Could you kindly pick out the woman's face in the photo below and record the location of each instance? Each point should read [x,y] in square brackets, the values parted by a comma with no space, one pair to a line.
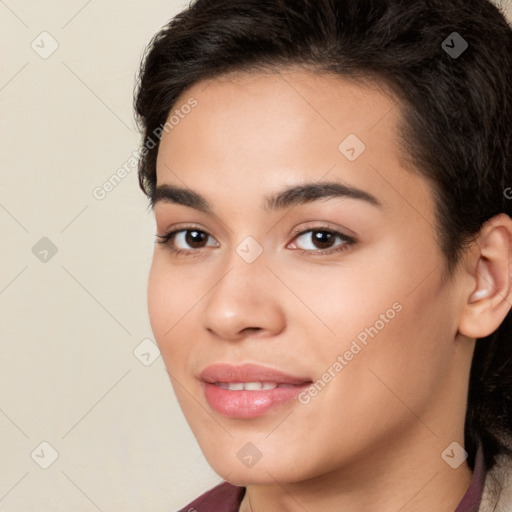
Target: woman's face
[341,288]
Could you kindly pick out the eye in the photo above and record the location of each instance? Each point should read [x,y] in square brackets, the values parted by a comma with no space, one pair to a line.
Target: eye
[194,238]
[186,240]
[322,241]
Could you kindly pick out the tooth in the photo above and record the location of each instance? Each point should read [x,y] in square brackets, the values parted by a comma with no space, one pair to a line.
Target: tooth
[253,386]
[250,386]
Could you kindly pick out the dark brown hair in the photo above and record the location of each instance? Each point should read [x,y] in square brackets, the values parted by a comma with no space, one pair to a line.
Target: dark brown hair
[457,115]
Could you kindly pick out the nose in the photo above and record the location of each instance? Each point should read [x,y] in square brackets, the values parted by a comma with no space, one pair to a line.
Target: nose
[244,301]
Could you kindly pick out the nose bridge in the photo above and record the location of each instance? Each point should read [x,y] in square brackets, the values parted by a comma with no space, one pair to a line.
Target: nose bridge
[244,296]
[246,275]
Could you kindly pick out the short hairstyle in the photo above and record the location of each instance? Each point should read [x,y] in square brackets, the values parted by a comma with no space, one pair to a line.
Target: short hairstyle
[456,116]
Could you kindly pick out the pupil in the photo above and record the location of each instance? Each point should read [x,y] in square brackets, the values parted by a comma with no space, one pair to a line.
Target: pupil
[323,238]
[194,237]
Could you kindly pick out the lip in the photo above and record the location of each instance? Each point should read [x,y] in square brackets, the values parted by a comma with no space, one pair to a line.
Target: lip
[223,372]
[245,403]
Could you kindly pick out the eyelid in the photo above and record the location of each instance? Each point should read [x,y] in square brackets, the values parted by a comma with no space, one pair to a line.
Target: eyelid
[182,226]
[325,226]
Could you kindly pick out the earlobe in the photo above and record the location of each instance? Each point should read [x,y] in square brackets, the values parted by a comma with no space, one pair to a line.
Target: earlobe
[490,298]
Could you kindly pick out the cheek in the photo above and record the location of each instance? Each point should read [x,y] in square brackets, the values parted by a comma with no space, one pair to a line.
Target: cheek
[387,314]
[336,302]
[171,295]
[167,307]
[404,355]
[158,299]
[174,293]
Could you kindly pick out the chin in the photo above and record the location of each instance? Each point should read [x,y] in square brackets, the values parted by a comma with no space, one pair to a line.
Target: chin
[255,476]
[232,469]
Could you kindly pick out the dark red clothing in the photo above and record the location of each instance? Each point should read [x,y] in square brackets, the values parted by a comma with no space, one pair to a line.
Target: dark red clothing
[223,498]
[227,497]
[471,500]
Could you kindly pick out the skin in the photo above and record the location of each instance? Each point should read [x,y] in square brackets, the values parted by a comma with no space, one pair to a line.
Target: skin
[372,439]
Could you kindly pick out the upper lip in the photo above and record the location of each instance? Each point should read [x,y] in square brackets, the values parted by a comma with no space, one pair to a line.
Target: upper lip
[223,372]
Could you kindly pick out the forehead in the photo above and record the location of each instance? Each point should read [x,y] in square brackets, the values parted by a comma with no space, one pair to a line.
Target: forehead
[250,134]
[305,103]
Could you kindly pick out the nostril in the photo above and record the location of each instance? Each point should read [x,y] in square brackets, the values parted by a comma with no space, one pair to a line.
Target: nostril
[252,329]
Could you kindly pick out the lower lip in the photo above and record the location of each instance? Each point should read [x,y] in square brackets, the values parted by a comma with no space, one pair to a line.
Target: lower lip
[248,404]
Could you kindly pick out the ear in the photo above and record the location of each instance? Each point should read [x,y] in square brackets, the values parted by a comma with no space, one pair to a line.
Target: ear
[488,297]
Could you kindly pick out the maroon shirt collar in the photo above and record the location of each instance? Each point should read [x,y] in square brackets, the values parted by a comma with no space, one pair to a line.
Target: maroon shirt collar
[471,500]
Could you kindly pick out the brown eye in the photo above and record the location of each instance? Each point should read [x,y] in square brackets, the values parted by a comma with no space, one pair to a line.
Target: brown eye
[320,239]
[323,239]
[195,239]
[187,239]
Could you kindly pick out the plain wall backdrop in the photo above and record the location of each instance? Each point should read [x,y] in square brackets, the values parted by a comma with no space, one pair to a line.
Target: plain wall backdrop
[88,419]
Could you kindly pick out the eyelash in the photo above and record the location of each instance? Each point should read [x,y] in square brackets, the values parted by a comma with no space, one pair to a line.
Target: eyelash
[348,241]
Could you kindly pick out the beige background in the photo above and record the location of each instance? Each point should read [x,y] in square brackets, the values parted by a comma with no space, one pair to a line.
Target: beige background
[71,321]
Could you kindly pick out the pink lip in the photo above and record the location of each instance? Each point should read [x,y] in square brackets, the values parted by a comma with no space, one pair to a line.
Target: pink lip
[244,403]
[224,372]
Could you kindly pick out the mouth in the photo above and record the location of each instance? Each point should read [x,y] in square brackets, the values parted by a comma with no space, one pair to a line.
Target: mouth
[249,391]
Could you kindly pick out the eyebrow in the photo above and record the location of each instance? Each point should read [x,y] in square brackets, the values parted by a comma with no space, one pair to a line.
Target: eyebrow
[291,196]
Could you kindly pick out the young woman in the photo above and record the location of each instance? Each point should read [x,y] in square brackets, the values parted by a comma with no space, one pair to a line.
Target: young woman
[331,288]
